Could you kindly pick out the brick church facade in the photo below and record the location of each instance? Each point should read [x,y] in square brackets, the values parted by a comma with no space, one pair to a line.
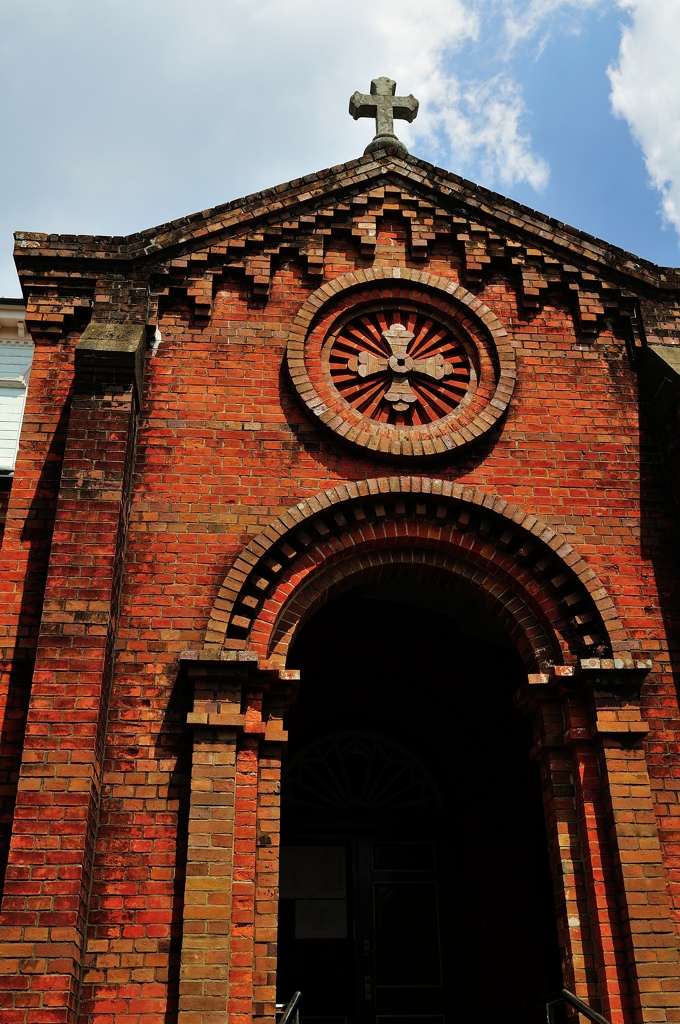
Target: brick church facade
[342,542]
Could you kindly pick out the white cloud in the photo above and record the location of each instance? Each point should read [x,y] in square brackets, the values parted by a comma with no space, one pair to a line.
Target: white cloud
[479,123]
[646,90]
[482,124]
[524,18]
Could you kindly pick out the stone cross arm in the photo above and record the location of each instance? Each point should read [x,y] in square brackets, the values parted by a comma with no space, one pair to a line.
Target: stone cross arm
[401,366]
[384,106]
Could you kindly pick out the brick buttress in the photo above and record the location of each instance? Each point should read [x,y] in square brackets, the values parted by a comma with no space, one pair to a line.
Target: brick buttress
[45,905]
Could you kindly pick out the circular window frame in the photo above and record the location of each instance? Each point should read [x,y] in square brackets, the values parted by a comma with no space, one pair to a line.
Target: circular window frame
[321,316]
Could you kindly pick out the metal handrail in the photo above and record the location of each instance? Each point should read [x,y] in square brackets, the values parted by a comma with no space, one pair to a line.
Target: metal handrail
[292,1009]
[577,1003]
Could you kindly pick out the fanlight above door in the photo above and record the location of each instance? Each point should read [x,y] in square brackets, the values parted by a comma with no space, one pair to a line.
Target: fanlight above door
[356,778]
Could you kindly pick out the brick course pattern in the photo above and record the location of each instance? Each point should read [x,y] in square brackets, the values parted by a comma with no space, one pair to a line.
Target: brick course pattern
[166,538]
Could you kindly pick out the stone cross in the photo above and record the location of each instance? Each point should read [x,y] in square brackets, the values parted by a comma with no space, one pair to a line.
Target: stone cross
[384,106]
[400,393]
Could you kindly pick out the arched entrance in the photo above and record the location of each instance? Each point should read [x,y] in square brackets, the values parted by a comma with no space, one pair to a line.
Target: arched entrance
[415,883]
[529,612]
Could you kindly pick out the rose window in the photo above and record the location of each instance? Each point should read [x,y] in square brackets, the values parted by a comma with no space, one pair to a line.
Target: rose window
[399,366]
[400,363]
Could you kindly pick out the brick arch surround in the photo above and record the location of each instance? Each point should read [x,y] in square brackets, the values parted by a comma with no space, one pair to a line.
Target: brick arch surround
[550,601]
[530,635]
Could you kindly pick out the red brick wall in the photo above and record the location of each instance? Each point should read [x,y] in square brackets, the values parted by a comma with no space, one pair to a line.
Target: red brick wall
[25,553]
[223,448]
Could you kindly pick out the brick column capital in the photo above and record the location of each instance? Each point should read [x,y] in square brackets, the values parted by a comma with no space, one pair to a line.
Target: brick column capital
[111,354]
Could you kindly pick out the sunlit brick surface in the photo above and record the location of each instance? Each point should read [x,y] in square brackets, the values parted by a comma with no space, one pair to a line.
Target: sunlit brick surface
[126,517]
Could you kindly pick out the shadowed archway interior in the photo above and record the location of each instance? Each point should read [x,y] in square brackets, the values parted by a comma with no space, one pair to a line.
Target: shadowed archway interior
[408,791]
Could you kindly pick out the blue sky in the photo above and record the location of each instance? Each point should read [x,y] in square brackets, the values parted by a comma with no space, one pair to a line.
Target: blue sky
[117,115]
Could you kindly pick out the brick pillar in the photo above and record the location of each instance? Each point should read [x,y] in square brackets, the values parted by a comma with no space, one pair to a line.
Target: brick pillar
[540,698]
[228,968]
[44,910]
[651,942]
[610,989]
[272,689]
[620,923]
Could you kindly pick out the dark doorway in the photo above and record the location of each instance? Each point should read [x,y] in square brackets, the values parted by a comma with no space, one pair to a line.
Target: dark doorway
[415,884]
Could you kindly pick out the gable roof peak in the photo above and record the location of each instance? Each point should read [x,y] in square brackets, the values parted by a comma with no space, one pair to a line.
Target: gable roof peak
[333,184]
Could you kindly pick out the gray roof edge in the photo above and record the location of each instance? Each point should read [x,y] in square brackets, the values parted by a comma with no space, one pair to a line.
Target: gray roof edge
[383,162]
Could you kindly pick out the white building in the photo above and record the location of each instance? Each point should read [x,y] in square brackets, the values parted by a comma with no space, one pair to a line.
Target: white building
[16,356]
